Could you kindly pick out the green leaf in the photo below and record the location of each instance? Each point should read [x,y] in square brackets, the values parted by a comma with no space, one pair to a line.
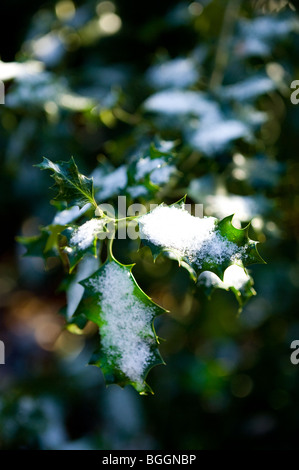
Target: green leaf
[83,240]
[236,279]
[44,245]
[73,187]
[198,245]
[249,253]
[150,170]
[125,315]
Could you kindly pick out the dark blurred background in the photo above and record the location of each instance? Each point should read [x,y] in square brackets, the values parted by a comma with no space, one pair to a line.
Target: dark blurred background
[100,80]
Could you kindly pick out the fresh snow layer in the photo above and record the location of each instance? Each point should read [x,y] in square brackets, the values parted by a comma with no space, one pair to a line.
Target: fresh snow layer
[234,276]
[84,236]
[126,322]
[111,183]
[158,168]
[210,280]
[146,165]
[176,73]
[194,238]
[69,215]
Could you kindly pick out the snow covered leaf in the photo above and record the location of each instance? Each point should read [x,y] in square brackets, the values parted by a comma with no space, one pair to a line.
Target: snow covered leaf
[125,314]
[150,167]
[83,240]
[111,183]
[66,216]
[176,73]
[248,253]
[236,279]
[73,187]
[214,139]
[248,89]
[176,102]
[256,37]
[198,244]
[154,168]
[37,88]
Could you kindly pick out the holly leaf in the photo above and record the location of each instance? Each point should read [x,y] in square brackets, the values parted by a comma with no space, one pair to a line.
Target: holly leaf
[74,291]
[44,245]
[83,240]
[151,170]
[198,244]
[125,316]
[240,237]
[73,187]
[236,278]
[65,216]
[154,168]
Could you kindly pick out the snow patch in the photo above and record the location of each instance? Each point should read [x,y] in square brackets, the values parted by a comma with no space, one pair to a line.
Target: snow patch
[158,168]
[193,238]
[111,183]
[234,276]
[146,165]
[84,236]
[176,73]
[69,215]
[210,280]
[126,333]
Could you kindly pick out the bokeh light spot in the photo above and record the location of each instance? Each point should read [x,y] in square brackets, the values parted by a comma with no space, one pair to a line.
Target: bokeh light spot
[110,23]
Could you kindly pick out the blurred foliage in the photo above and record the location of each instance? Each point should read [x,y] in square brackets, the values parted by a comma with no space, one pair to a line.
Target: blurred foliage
[101,81]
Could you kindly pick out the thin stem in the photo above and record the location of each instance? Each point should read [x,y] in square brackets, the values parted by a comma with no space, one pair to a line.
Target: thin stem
[132,217]
[111,240]
[126,117]
[109,247]
[111,219]
[222,53]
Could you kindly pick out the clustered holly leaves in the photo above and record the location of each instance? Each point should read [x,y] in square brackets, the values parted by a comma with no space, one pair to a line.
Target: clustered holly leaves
[112,299]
